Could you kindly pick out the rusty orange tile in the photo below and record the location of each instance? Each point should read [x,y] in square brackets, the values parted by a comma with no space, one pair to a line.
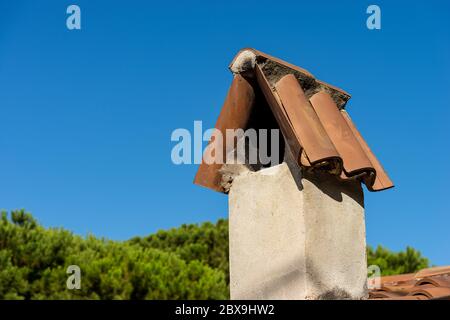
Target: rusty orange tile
[383,295]
[353,156]
[304,120]
[403,288]
[416,297]
[428,272]
[263,57]
[431,292]
[235,114]
[280,113]
[397,278]
[437,281]
[431,283]
[382,181]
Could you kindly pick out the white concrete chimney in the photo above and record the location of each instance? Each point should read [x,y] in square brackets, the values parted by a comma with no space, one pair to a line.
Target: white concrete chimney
[296,237]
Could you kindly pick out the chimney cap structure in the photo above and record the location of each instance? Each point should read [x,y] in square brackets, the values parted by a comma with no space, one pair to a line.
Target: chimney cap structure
[310,114]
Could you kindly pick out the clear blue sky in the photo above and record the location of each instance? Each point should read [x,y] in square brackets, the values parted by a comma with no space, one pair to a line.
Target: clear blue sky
[86,116]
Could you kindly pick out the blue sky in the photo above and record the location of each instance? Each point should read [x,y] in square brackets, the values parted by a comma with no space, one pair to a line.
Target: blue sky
[86,116]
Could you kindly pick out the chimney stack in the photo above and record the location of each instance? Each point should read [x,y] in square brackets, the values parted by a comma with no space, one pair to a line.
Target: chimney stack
[297,227]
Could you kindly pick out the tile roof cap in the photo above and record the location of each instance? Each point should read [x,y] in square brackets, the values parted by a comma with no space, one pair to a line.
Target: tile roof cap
[320,134]
[245,60]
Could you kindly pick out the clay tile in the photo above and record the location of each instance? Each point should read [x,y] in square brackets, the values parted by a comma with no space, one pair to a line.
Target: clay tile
[235,114]
[382,180]
[416,297]
[353,156]
[403,289]
[437,281]
[279,113]
[395,296]
[304,120]
[431,291]
[265,56]
[395,279]
[431,283]
[382,294]
[284,67]
[432,272]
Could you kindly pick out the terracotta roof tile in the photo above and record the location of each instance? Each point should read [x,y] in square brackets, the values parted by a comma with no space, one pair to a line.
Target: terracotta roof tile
[310,114]
[300,73]
[234,114]
[379,181]
[401,278]
[279,113]
[342,137]
[417,297]
[430,283]
[305,122]
[432,272]
[437,281]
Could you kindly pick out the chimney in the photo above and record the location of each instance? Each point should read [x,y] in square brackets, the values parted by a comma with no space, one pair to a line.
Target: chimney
[296,226]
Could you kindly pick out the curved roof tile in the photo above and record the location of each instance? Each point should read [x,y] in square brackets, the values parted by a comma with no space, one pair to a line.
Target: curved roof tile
[430,283]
